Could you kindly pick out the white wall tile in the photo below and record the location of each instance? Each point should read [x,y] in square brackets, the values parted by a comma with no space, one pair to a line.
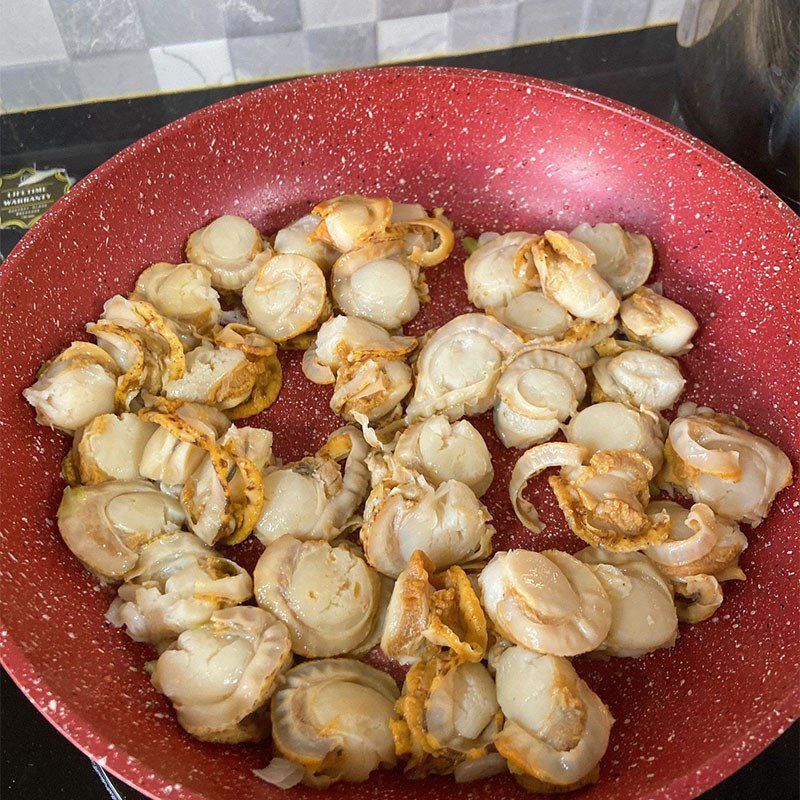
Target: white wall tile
[29,33]
[273,54]
[341,47]
[255,17]
[474,28]
[391,9]
[662,11]
[186,66]
[614,15]
[335,13]
[33,85]
[181,21]
[540,20]
[412,37]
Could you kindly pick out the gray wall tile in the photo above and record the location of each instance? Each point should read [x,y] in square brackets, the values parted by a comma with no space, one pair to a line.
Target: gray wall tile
[173,21]
[412,37]
[274,54]
[335,13]
[32,85]
[116,74]
[391,9]
[602,15]
[539,20]
[341,47]
[470,31]
[662,11]
[89,27]
[253,17]
[29,33]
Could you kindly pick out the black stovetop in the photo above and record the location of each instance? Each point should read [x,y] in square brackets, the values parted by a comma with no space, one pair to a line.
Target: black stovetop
[635,67]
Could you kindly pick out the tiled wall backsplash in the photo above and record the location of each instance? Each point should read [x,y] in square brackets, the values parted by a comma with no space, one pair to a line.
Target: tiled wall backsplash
[61,51]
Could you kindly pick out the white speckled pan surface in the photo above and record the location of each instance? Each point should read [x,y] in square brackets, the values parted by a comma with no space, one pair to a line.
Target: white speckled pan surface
[499,152]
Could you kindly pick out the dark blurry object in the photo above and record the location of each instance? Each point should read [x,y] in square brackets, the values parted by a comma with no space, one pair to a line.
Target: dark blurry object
[739,83]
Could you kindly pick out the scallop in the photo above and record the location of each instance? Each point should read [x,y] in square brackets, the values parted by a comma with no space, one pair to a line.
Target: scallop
[182,293]
[404,513]
[643,615]
[288,296]
[721,464]
[346,340]
[567,274]
[332,717]
[311,498]
[106,525]
[547,602]
[294,239]
[379,283]
[639,378]
[624,260]
[697,597]
[458,367]
[556,729]
[617,426]
[328,596]
[448,715]
[699,542]
[74,388]
[351,220]
[429,611]
[661,324]
[532,316]
[221,675]
[441,450]
[536,392]
[489,271]
[604,501]
[229,247]
[177,584]
[372,388]
[110,447]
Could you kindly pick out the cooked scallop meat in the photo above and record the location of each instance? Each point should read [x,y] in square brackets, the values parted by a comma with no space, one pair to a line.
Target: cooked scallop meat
[532,463]
[294,238]
[490,275]
[458,367]
[578,342]
[229,247]
[566,271]
[171,454]
[532,316]
[699,542]
[177,584]
[329,597]
[441,450]
[332,717]
[373,387]
[536,392]
[717,462]
[352,220]
[110,447]
[311,498]
[404,513]
[624,260]
[643,615]
[617,426]
[182,293]
[346,340]
[639,378]
[660,323]
[74,388]
[221,675]
[556,728]
[105,526]
[448,714]
[547,602]
[379,283]
[604,502]
[288,296]
[697,597]
[429,611]
[146,349]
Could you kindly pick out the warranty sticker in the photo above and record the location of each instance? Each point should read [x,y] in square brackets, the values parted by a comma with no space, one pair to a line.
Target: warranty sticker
[28,193]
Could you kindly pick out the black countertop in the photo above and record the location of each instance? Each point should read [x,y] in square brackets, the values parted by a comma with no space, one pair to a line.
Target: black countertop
[635,67]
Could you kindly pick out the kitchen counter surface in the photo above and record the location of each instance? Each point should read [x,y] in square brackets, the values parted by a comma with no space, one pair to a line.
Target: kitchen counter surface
[635,67]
